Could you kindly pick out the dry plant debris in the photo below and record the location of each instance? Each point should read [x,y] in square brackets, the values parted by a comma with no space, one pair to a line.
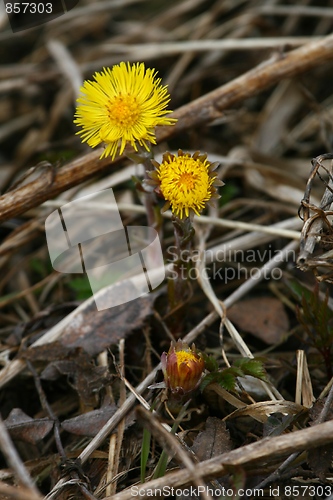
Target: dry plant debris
[83,412]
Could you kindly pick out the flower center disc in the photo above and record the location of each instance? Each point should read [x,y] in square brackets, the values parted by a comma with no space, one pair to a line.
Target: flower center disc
[185,357]
[123,111]
[187,180]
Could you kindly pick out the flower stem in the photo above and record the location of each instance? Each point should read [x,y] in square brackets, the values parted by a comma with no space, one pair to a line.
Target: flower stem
[149,201]
[178,283]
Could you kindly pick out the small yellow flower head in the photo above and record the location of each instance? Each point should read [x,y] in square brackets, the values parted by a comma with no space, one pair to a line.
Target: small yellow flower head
[122,106]
[182,368]
[187,182]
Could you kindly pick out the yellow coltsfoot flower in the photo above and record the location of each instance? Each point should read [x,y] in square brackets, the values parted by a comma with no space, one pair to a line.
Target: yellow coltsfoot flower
[182,368]
[187,182]
[122,106]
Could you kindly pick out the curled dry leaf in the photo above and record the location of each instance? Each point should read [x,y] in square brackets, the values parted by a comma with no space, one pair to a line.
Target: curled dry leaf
[261,411]
[24,428]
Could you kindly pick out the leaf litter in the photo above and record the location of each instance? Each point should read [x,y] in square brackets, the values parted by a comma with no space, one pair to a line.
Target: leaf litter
[71,375]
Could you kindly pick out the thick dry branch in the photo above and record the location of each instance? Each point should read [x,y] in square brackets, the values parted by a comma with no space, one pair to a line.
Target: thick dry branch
[259,451]
[50,183]
[198,112]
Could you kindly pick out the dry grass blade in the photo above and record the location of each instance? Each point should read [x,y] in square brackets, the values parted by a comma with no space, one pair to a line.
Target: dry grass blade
[116,439]
[304,391]
[148,51]
[67,65]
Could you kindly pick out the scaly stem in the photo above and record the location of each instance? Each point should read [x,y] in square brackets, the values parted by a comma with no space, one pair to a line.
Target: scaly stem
[178,284]
[144,158]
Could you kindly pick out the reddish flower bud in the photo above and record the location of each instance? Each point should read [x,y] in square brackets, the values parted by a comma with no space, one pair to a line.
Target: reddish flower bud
[182,368]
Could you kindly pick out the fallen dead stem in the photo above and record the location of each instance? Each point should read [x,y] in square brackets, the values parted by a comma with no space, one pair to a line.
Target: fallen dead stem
[207,108]
[260,451]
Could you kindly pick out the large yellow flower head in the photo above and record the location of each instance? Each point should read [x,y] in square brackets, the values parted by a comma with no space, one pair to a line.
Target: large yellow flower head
[122,106]
[187,182]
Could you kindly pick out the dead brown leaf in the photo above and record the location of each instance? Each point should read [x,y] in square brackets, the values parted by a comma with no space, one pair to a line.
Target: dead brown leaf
[24,428]
[86,378]
[264,317]
[213,441]
[51,351]
[320,460]
[83,375]
[89,424]
[316,410]
[95,331]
